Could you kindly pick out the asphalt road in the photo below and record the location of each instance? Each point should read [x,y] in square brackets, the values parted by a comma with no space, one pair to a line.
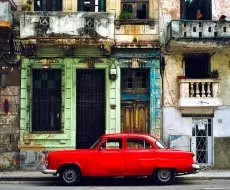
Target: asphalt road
[119,184]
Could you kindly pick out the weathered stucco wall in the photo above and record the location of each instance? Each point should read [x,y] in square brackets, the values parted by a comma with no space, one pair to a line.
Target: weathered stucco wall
[222,153]
[66,24]
[221,122]
[221,62]
[9,128]
[175,124]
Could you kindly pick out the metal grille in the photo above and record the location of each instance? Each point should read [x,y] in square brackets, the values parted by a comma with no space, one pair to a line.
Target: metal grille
[46,100]
[135,79]
[90,106]
[202,131]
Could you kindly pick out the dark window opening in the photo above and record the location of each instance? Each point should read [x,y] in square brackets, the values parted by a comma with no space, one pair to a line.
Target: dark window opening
[196,9]
[135,79]
[128,8]
[92,5]
[46,100]
[138,10]
[197,66]
[48,5]
[141,11]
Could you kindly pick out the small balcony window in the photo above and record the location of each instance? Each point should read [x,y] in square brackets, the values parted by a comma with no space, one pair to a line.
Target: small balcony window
[48,5]
[138,10]
[92,5]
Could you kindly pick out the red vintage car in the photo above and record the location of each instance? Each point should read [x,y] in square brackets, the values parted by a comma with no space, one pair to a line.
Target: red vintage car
[121,155]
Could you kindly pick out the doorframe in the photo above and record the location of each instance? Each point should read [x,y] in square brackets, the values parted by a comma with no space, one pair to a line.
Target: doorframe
[154,102]
[74,68]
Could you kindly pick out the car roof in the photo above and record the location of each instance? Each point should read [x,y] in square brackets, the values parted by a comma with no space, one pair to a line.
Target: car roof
[133,135]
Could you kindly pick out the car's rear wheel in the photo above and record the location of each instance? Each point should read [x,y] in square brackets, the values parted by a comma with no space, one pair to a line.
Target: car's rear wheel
[70,175]
[164,176]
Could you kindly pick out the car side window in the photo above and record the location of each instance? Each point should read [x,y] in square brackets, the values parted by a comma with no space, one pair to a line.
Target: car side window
[112,144]
[132,143]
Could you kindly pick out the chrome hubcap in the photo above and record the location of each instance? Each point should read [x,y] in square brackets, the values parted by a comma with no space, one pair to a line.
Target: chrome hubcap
[69,175]
[164,174]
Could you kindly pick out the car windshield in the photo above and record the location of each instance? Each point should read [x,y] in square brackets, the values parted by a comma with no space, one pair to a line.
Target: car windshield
[160,144]
[95,144]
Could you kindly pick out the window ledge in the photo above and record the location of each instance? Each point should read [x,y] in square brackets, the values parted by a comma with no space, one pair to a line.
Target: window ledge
[150,22]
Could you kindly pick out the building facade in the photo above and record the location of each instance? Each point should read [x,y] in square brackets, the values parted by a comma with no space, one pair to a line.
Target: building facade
[195,67]
[88,68]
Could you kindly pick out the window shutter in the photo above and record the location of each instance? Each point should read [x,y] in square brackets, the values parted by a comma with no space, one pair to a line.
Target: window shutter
[57,4]
[102,4]
[80,5]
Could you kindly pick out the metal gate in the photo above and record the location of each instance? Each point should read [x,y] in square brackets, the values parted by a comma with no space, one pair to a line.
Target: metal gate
[46,100]
[202,140]
[90,106]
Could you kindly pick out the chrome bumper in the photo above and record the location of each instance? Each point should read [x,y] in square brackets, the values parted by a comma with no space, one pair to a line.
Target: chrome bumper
[47,171]
[195,166]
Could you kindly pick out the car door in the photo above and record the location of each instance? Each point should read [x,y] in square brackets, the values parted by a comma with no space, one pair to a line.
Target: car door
[110,158]
[139,156]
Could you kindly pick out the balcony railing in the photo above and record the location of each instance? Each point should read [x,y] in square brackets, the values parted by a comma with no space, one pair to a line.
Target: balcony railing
[198,29]
[60,25]
[199,92]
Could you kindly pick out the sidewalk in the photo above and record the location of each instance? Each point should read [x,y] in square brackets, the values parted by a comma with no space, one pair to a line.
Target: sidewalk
[38,176]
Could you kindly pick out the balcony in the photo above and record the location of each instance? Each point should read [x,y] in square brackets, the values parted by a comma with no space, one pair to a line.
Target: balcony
[196,93]
[80,27]
[133,33]
[190,34]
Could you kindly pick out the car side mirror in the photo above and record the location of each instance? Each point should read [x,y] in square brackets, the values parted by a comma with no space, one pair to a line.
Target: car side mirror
[100,148]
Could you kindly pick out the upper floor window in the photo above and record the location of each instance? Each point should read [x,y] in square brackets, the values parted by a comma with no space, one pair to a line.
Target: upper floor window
[136,9]
[92,5]
[134,79]
[47,5]
[196,10]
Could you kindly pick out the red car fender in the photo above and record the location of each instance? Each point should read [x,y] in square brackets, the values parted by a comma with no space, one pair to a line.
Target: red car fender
[69,163]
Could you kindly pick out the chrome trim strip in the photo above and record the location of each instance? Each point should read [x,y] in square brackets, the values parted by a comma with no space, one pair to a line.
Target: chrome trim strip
[47,171]
[195,166]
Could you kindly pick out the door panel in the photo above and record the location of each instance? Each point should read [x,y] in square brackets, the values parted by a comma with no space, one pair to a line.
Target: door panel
[134,117]
[110,162]
[90,106]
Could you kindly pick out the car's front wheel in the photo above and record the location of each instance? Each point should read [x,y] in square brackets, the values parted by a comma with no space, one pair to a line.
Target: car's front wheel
[165,176]
[70,175]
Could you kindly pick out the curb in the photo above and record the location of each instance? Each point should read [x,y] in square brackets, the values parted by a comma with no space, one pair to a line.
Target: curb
[29,179]
[204,178]
[55,178]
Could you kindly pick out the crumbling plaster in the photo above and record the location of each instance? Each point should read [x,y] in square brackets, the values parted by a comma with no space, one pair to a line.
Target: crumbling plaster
[170,10]
[66,24]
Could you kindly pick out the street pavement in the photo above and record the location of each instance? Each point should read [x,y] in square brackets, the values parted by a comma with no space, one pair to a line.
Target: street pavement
[119,184]
[38,176]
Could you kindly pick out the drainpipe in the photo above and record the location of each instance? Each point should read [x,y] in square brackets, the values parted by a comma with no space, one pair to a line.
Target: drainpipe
[162,69]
